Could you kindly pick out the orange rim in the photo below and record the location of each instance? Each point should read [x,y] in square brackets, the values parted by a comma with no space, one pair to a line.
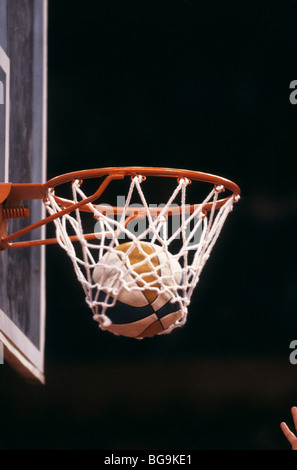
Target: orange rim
[18,192]
[121,172]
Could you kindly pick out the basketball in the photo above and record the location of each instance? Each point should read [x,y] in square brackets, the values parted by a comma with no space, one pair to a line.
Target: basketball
[137,282]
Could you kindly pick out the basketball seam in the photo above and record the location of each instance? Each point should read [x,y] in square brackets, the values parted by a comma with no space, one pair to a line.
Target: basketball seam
[156,321]
[129,272]
[135,278]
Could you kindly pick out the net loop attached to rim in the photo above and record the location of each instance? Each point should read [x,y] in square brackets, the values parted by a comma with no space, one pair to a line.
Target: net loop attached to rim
[186,236]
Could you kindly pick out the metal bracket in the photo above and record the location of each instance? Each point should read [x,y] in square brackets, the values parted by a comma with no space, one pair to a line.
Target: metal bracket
[11,196]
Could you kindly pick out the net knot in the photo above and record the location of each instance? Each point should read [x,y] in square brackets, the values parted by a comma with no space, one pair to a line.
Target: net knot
[138,178]
[184,181]
[162,218]
[103,319]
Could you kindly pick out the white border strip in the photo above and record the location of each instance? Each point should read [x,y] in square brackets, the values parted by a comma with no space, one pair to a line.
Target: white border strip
[30,370]
[21,342]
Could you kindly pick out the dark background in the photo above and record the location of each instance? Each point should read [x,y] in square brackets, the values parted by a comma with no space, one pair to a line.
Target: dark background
[201,85]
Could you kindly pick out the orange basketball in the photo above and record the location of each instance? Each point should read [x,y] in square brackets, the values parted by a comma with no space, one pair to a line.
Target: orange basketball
[137,282]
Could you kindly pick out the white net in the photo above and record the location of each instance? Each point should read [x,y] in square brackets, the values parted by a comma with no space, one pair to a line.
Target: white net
[160,254]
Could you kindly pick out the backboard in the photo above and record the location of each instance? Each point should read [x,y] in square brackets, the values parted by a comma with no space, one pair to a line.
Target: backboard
[23,89]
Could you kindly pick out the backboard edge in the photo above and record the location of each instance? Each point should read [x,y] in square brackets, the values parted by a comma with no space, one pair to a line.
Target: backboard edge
[20,363]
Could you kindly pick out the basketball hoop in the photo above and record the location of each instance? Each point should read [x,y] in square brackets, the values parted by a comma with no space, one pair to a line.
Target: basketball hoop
[188,241]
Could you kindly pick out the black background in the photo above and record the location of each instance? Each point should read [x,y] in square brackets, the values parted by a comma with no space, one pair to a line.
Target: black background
[201,85]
